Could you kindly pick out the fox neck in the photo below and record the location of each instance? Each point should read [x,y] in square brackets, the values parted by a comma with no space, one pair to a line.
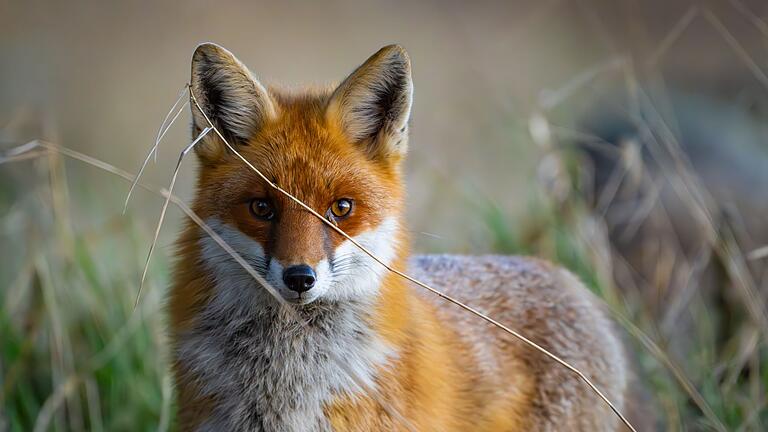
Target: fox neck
[266,371]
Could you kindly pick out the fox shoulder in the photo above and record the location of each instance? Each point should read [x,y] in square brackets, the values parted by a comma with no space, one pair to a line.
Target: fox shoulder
[550,306]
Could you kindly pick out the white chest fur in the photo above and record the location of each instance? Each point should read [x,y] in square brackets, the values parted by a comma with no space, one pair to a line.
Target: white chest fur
[265,371]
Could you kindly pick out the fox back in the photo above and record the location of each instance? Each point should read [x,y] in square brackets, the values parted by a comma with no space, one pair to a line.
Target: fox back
[370,352]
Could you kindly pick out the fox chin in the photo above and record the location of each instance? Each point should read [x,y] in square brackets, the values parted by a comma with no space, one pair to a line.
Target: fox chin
[242,363]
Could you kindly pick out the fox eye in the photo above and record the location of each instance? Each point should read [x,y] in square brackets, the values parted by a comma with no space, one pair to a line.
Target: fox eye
[262,209]
[341,208]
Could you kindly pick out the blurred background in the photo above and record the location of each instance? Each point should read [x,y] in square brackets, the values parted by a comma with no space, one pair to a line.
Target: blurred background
[624,139]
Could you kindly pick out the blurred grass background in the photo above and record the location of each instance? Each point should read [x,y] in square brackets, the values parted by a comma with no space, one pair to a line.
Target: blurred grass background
[511,100]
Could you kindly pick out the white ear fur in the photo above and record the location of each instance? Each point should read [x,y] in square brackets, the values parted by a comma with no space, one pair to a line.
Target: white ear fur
[234,101]
[373,105]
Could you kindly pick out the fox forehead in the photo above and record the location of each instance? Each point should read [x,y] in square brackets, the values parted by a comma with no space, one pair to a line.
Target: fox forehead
[304,154]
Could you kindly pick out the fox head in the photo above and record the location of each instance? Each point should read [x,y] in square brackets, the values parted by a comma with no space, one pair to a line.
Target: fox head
[338,150]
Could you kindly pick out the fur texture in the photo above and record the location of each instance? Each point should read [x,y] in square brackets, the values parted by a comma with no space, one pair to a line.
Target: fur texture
[243,364]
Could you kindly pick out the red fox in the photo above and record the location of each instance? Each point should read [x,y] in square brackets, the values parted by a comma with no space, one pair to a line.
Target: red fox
[242,363]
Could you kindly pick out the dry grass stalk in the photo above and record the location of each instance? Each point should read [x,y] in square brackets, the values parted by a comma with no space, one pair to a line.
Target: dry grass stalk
[165,126]
[165,206]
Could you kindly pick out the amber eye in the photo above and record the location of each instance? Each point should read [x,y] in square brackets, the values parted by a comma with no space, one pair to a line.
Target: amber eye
[341,208]
[262,209]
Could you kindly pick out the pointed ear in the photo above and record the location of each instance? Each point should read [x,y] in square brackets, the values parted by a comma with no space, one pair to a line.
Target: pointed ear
[372,106]
[231,98]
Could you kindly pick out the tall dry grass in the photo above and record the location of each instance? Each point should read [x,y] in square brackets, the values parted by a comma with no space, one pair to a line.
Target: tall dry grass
[75,356]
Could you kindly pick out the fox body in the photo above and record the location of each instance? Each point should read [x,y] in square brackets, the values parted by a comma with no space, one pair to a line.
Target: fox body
[242,362]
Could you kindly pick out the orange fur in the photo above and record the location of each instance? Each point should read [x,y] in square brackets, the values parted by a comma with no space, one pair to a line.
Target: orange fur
[442,376]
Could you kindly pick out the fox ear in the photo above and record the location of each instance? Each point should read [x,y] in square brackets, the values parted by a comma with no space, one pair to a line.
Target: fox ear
[372,106]
[229,96]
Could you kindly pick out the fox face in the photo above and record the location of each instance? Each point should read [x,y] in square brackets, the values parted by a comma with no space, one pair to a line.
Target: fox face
[339,150]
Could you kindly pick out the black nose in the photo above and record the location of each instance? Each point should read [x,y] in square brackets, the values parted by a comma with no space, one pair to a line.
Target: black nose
[299,278]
